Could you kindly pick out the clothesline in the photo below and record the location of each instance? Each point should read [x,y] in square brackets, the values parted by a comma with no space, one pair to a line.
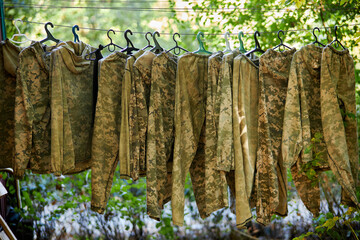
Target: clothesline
[167,9]
[185,34]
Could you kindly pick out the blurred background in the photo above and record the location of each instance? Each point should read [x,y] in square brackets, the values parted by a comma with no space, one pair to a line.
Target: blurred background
[58,208]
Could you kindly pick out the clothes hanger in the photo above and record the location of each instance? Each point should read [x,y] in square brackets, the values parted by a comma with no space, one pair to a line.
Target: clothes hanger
[157,49]
[336,39]
[176,46]
[201,44]
[149,45]
[19,34]
[227,49]
[76,37]
[316,40]
[97,52]
[49,35]
[281,41]
[129,45]
[257,45]
[111,42]
[241,48]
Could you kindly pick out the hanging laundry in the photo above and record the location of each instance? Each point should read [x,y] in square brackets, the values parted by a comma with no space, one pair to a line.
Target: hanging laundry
[124,142]
[271,175]
[216,196]
[245,131]
[105,142]
[71,78]
[138,113]
[302,121]
[160,133]
[338,114]
[32,112]
[9,62]
[189,146]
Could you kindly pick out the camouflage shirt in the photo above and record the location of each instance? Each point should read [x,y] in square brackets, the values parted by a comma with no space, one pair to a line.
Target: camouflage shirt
[138,113]
[9,62]
[105,142]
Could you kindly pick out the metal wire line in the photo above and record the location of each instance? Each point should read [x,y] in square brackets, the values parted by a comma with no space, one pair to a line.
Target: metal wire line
[166,9]
[185,34]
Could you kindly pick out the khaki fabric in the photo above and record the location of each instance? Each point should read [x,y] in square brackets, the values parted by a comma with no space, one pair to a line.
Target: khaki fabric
[105,142]
[160,133]
[302,121]
[245,130]
[216,196]
[71,79]
[138,113]
[189,153]
[271,175]
[124,142]
[32,111]
[338,114]
[9,62]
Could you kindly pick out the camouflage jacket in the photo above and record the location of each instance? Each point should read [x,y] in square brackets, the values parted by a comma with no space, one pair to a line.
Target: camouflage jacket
[105,142]
[9,62]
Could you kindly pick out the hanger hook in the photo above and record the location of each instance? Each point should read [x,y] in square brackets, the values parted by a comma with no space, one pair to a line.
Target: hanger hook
[176,34]
[316,28]
[110,30]
[198,37]
[76,37]
[156,33]
[257,34]
[226,35]
[46,28]
[128,42]
[147,38]
[278,34]
[15,24]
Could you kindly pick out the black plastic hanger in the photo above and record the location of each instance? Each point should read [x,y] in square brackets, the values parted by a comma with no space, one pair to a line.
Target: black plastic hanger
[257,45]
[281,41]
[316,39]
[336,39]
[157,49]
[49,35]
[129,45]
[149,45]
[76,37]
[111,42]
[177,46]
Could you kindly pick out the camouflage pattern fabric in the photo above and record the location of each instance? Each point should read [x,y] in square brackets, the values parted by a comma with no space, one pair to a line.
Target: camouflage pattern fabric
[9,62]
[105,142]
[245,130]
[32,111]
[216,196]
[138,113]
[338,114]
[160,133]
[124,142]
[271,175]
[302,121]
[189,154]
[71,78]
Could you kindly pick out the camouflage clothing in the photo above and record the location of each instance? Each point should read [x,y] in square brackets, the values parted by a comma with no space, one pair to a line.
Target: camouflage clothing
[189,153]
[338,114]
[105,142]
[302,120]
[124,142]
[160,133]
[271,176]
[71,78]
[138,113]
[9,62]
[245,119]
[32,111]
[214,182]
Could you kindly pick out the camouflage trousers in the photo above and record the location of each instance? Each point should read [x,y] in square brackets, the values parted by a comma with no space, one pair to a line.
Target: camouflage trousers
[338,113]
[271,175]
[160,133]
[105,148]
[245,94]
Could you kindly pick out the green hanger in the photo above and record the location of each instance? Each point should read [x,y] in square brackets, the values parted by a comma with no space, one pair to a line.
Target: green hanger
[201,45]
[241,48]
